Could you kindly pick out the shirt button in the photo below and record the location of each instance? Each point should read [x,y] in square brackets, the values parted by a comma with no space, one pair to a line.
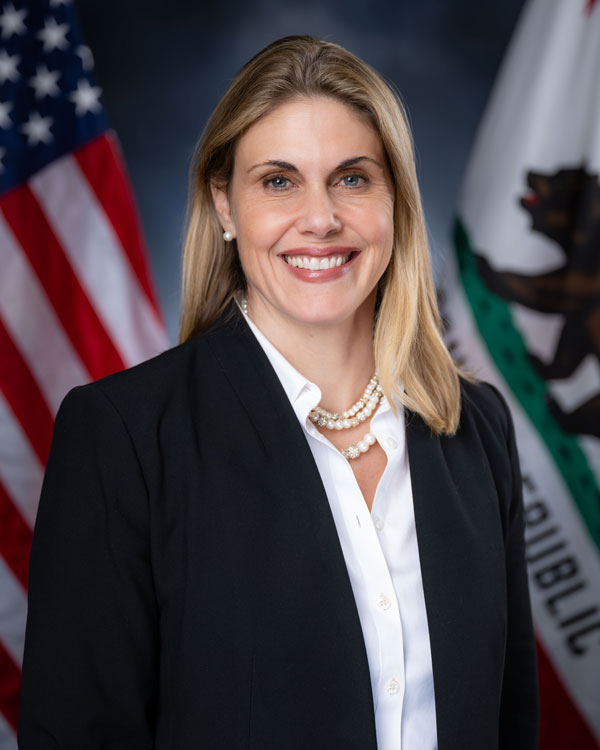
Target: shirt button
[393,687]
[391,443]
[384,602]
[378,523]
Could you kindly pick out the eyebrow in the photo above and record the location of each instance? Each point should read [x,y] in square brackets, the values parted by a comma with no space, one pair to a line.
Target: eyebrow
[292,168]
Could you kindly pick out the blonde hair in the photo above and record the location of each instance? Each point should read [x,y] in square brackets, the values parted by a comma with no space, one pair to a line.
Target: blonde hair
[407,339]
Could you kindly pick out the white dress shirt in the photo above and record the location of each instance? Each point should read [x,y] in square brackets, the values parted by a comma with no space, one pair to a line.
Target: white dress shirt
[381,554]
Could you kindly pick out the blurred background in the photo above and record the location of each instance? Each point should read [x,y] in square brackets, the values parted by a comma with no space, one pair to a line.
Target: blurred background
[164,65]
[520,297]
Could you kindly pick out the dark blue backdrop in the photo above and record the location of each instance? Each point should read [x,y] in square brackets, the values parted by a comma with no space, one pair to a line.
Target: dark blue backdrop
[163,64]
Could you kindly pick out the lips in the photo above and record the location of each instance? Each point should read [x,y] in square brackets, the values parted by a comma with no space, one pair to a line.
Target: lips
[315,258]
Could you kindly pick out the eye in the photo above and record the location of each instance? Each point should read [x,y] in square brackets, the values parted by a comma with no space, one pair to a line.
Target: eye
[353,180]
[277,181]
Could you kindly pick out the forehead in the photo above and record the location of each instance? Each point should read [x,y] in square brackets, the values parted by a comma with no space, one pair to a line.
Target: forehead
[302,130]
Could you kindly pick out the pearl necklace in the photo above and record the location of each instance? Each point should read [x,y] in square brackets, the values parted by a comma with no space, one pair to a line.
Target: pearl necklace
[366,405]
[360,412]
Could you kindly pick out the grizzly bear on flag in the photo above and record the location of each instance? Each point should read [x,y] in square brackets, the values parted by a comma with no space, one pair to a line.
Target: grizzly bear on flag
[565,207]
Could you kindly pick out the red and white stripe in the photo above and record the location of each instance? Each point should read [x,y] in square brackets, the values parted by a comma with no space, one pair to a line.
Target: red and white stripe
[76,303]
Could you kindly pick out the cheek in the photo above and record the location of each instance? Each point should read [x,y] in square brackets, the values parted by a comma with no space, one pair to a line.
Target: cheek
[378,226]
[258,234]
[259,229]
[387,221]
[382,237]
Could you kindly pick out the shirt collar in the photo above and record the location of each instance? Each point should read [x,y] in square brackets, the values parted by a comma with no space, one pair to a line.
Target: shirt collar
[302,394]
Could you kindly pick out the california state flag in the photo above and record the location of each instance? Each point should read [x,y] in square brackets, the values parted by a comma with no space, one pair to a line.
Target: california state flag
[522,307]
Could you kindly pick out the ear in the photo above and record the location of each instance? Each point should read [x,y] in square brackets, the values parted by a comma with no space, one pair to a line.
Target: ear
[222,206]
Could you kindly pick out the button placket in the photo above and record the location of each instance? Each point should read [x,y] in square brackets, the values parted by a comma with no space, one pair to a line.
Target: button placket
[365,552]
[383,623]
[393,687]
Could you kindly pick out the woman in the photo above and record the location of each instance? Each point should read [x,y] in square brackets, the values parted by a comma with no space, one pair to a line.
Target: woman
[299,528]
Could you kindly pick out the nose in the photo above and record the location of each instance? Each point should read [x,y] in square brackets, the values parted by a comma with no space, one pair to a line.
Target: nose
[318,215]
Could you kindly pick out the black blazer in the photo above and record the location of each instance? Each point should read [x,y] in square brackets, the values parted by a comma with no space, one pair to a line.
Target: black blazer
[188,588]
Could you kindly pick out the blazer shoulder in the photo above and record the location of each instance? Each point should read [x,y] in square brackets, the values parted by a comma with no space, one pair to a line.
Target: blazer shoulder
[486,427]
[483,404]
[193,361]
[152,386]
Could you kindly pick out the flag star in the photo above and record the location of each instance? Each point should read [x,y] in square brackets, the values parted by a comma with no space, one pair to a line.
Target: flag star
[45,82]
[8,66]
[11,21]
[37,129]
[5,121]
[85,53]
[54,35]
[86,97]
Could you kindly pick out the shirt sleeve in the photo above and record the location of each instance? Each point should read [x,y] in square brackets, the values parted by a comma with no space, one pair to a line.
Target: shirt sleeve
[91,647]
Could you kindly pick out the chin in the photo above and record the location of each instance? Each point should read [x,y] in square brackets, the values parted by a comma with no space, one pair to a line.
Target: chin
[322,313]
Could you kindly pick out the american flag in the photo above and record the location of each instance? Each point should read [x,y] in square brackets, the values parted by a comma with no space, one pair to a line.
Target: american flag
[76,299]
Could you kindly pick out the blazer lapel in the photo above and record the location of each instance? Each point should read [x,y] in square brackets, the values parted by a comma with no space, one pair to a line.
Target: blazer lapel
[461,554]
[262,396]
[286,451]
[435,503]
[299,502]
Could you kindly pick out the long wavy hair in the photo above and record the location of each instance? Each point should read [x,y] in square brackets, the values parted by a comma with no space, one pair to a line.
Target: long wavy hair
[407,339]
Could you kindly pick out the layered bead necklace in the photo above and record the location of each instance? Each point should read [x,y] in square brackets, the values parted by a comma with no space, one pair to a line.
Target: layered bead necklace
[364,408]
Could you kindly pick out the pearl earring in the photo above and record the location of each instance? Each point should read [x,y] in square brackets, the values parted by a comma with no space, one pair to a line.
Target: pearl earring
[227,236]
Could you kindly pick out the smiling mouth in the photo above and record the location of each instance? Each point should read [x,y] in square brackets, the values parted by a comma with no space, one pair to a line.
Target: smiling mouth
[313,263]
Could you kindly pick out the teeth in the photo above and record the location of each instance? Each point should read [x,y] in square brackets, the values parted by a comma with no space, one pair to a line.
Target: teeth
[314,264]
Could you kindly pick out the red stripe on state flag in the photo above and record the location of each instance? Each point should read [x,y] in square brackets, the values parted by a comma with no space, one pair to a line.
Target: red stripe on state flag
[561,725]
[46,256]
[15,538]
[102,164]
[24,396]
[10,685]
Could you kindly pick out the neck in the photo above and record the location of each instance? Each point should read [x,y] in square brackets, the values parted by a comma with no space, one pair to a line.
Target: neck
[337,357]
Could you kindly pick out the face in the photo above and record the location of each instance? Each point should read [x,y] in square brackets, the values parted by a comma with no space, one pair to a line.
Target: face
[311,205]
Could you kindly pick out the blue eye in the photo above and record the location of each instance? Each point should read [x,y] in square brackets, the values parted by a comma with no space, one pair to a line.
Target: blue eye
[352,180]
[277,182]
